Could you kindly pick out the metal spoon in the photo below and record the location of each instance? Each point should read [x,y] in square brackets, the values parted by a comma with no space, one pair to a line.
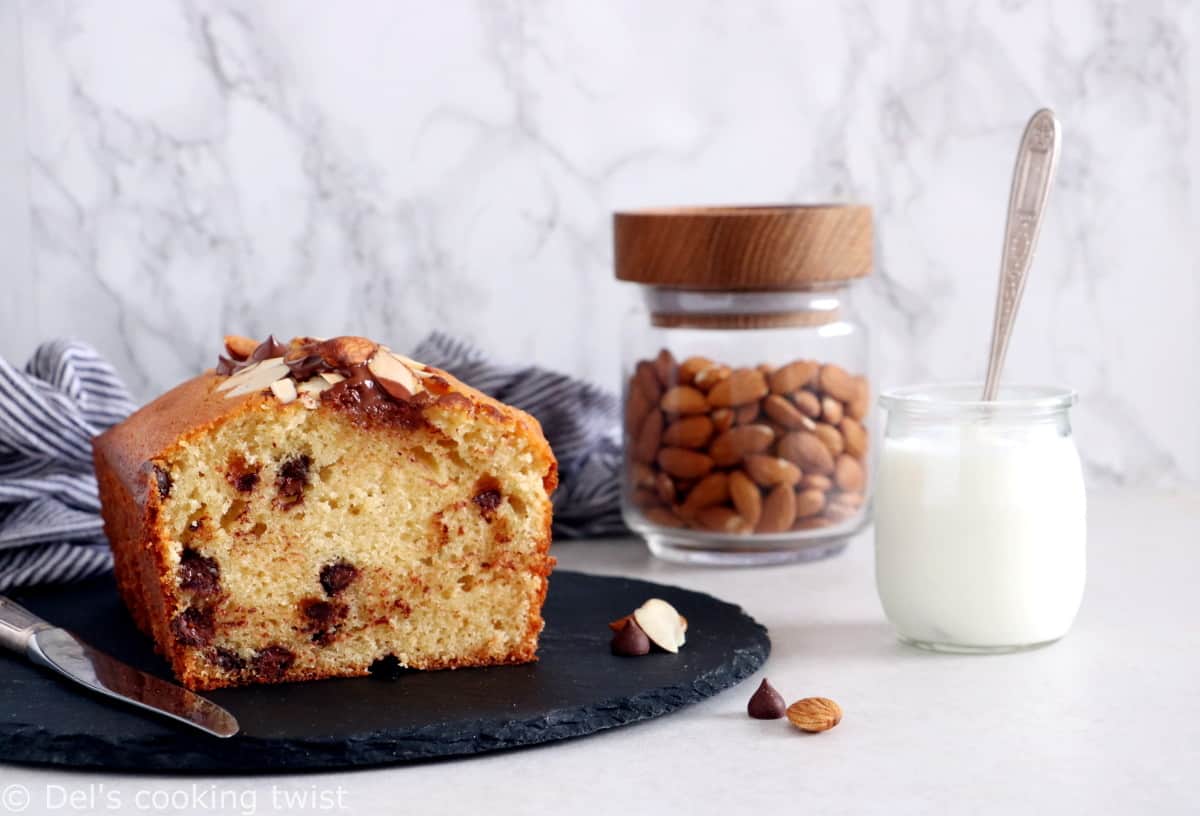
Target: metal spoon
[1037,158]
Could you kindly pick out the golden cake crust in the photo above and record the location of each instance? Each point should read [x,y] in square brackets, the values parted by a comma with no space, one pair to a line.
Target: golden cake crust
[132,493]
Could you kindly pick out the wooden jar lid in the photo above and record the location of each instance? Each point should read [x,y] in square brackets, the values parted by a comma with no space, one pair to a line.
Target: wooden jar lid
[743,248]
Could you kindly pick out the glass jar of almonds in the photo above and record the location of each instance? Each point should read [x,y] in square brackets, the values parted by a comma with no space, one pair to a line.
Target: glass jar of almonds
[747,403]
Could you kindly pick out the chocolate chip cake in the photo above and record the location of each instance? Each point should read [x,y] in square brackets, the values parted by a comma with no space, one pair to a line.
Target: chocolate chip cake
[323,507]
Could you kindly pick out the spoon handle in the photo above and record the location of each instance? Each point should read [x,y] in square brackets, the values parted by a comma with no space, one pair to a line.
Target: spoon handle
[1037,158]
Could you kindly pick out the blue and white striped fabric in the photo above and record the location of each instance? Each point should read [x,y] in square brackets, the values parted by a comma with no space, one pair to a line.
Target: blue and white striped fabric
[50,529]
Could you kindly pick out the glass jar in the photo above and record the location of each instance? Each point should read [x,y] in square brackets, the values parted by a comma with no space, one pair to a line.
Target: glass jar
[980,529]
[746,391]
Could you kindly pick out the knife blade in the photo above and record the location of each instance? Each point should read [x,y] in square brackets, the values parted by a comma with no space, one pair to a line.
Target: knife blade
[62,652]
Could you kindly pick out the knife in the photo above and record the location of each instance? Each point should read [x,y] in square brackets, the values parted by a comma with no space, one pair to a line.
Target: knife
[59,650]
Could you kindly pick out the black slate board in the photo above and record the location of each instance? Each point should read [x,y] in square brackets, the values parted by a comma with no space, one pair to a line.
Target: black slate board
[576,688]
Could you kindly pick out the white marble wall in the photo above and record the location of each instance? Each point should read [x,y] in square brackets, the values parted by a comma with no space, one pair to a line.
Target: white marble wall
[181,169]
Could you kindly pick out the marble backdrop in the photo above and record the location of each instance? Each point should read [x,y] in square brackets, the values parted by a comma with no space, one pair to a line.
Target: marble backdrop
[171,170]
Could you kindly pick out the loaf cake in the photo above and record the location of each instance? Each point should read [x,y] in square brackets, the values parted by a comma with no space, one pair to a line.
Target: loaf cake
[327,508]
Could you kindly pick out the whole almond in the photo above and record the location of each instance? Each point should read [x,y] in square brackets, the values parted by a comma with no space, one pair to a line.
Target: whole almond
[745,414]
[684,464]
[861,403]
[637,407]
[830,437]
[811,523]
[664,488]
[837,382]
[769,471]
[239,347]
[808,403]
[855,437]
[641,475]
[644,498]
[785,412]
[778,511]
[689,432]
[649,437]
[712,489]
[738,442]
[707,378]
[809,503]
[854,500]
[831,410]
[683,399]
[742,386]
[722,419]
[815,481]
[646,380]
[692,366]
[665,368]
[792,376]
[814,714]
[720,519]
[746,497]
[345,352]
[849,475]
[807,451]
[662,517]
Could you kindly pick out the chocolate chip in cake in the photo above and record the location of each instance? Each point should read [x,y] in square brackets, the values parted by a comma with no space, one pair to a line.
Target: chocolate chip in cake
[241,475]
[193,627]
[198,573]
[386,668]
[228,660]
[163,481]
[487,496]
[323,614]
[273,662]
[291,480]
[337,576]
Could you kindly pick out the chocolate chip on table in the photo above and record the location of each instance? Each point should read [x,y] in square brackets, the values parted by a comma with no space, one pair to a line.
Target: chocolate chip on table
[198,573]
[163,481]
[630,640]
[337,576]
[193,627]
[273,662]
[766,703]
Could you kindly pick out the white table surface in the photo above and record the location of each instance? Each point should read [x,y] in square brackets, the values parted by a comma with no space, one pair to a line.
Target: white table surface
[1105,721]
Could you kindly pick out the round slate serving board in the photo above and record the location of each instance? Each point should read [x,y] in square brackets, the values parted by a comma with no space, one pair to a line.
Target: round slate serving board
[576,688]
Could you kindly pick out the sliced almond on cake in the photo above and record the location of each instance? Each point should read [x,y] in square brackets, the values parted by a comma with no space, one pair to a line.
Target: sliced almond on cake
[394,376]
[255,378]
[284,390]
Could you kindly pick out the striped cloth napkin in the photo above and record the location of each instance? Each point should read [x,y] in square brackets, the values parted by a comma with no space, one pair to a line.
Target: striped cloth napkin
[50,528]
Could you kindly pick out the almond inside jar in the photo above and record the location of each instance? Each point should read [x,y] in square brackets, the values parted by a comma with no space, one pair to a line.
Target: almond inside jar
[745,451]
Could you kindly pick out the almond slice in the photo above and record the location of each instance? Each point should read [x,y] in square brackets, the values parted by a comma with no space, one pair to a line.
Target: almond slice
[393,376]
[314,385]
[331,377]
[662,624]
[413,365]
[284,390]
[255,378]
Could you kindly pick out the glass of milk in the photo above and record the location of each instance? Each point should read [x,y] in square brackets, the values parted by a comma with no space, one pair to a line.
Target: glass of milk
[980,530]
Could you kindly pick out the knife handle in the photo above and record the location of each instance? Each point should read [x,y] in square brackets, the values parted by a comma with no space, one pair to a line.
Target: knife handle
[18,625]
